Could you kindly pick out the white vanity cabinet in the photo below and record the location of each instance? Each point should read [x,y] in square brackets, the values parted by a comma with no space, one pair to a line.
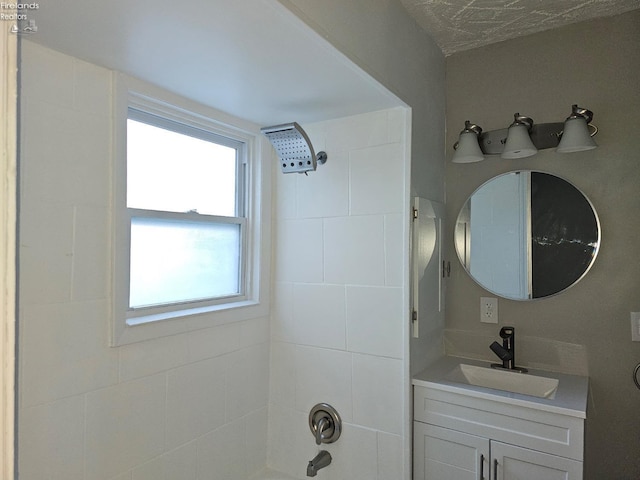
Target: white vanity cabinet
[445,454]
[463,432]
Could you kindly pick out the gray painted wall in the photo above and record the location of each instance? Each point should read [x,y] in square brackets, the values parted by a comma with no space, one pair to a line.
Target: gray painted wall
[585,329]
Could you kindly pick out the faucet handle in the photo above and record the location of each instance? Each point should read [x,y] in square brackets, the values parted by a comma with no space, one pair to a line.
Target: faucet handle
[502,353]
[325,423]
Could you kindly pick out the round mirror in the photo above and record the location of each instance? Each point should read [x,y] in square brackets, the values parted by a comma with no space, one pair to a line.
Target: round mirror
[525,235]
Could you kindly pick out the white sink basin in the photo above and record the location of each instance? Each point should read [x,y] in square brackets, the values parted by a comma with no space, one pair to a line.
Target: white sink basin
[506,380]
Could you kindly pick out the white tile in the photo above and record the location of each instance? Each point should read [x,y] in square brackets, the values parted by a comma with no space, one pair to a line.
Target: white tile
[282,374]
[91,260]
[181,463]
[323,376]
[195,400]
[153,356]
[254,331]
[125,426]
[354,455]
[66,155]
[358,131]
[150,471]
[64,351]
[213,342]
[51,440]
[283,326]
[281,442]
[354,250]
[123,476]
[256,424]
[298,251]
[399,120]
[221,453]
[394,250]
[46,253]
[178,464]
[374,321]
[325,192]
[378,393]
[91,88]
[390,456]
[377,176]
[247,381]
[47,75]
[320,312]
[291,444]
[88,183]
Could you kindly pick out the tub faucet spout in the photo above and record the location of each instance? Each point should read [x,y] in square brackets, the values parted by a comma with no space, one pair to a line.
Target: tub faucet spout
[323,459]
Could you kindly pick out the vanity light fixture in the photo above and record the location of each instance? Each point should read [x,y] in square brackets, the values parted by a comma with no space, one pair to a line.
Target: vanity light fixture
[518,143]
[468,149]
[576,136]
[523,138]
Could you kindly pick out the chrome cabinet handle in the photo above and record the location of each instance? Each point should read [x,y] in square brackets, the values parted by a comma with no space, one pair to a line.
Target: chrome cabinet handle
[481,467]
[495,469]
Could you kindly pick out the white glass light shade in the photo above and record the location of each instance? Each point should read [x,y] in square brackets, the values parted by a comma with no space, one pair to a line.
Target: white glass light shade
[576,136]
[519,144]
[468,150]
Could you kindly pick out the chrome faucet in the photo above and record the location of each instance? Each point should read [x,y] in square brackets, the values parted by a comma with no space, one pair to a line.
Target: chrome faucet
[507,351]
[323,459]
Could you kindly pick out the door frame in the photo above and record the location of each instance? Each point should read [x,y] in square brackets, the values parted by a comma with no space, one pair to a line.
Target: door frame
[8,233]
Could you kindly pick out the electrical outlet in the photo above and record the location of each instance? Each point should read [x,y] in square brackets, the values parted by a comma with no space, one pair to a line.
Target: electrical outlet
[488,310]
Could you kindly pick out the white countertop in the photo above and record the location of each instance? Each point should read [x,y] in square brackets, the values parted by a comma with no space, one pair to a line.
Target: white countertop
[570,398]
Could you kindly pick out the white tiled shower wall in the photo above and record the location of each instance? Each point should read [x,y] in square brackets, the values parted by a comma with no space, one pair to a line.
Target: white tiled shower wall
[191,406]
[337,326]
[202,405]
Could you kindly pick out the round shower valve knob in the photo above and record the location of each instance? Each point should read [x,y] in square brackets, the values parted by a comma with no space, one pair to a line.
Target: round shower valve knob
[325,423]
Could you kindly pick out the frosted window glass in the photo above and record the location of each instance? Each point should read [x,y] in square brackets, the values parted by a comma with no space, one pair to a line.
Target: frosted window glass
[173,172]
[177,261]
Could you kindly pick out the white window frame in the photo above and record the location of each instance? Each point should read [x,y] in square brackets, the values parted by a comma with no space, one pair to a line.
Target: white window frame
[135,325]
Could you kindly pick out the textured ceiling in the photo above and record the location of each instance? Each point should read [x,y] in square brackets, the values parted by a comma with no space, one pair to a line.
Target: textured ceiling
[458,25]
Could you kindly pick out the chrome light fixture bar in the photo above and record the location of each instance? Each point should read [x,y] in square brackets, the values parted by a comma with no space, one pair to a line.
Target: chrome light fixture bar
[573,135]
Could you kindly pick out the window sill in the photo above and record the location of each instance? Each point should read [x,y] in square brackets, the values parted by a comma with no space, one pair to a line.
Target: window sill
[188,312]
[148,327]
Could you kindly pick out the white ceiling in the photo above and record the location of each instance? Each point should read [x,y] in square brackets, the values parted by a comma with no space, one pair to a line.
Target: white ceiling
[458,25]
[252,59]
[258,61]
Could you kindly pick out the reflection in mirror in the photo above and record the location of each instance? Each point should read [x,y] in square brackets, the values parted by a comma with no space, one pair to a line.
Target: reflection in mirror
[526,235]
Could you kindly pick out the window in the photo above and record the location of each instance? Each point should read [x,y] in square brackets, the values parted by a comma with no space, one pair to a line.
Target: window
[190,247]
[186,214]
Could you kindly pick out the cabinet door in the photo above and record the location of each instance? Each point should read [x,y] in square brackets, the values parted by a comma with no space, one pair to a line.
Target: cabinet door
[516,463]
[443,454]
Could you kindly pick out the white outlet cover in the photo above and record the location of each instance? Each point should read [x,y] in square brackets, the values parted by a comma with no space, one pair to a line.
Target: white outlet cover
[488,310]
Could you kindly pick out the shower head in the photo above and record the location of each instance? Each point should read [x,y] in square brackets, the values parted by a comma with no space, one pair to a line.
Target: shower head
[294,148]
